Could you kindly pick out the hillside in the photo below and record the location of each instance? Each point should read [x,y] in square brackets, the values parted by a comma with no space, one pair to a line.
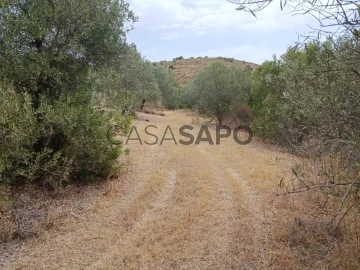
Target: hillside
[186,69]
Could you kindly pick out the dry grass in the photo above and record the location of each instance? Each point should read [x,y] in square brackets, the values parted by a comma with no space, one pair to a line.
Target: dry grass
[302,240]
[7,224]
[187,69]
[191,207]
[147,111]
[152,109]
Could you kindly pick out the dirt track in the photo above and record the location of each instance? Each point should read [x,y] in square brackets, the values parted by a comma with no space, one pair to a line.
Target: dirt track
[175,207]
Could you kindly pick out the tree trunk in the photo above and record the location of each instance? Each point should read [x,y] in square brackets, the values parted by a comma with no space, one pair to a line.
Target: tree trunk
[142,104]
[219,120]
[219,117]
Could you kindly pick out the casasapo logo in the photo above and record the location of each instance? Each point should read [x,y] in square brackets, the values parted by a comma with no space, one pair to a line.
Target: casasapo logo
[188,135]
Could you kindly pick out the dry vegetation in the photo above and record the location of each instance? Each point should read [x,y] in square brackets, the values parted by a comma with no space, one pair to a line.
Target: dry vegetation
[189,207]
[187,69]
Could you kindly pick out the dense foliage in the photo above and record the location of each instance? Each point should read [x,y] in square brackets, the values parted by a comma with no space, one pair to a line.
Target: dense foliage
[310,100]
[132,81]
[66,73]
[51,129]
[168,86]
[218,90]
[129,81]
[68,143]
[309,92]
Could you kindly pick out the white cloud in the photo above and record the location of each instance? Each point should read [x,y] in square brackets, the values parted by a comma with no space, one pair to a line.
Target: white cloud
[185,20]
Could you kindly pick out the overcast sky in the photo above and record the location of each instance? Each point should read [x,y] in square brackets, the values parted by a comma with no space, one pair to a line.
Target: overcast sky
[172,28]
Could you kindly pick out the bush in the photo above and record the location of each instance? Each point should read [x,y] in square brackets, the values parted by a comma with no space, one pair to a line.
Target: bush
[19,132]
[178,58]
[310,101]
[311,90]
[68,143]
[265,93]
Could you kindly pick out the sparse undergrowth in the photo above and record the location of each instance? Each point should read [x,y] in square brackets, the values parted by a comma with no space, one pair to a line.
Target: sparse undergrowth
[302,239]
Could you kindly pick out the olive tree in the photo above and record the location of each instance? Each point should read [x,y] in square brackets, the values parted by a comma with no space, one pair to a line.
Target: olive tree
[130,81]
[218,89]
[47,47]
[47,50]
[168,86]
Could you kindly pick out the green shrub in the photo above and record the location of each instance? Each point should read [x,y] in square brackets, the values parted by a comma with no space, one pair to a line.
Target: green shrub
[59,142]
[310,90]
[267,83]
[19,132]
[178,58]
[310,101]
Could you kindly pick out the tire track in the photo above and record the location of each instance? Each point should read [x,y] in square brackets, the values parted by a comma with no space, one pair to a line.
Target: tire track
[176,207]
